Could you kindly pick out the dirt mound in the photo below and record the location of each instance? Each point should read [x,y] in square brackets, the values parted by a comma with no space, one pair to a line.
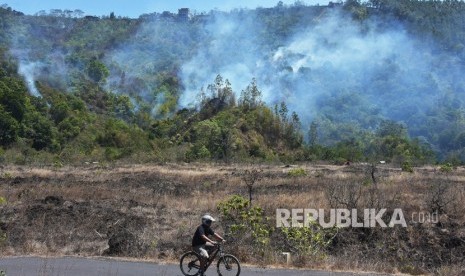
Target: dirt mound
[124,243]
[77,227]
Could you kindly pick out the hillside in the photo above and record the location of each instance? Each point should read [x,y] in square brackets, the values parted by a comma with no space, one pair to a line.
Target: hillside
[380,80]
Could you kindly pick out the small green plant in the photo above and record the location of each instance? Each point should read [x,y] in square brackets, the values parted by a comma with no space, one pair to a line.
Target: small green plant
[153,244]
[446,168]
[297,172]
[207,184]
[57,164]
[411,269]
[2,273]
[367,182]
[7,175]
[2,237]
[2,200]
[407,167]
[2,155]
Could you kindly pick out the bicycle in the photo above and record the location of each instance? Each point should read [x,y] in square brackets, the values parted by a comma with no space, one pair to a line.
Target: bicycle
[227,264]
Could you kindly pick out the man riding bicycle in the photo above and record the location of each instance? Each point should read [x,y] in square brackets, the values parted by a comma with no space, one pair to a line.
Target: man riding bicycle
[201,243]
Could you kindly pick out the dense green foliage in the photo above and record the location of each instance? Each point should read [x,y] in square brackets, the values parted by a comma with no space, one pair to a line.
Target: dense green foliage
[109,88]
[245,221]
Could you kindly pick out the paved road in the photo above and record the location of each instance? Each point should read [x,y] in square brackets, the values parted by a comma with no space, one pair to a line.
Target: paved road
[25,266]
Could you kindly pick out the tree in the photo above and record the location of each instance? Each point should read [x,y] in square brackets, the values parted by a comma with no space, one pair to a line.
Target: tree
[375,3]
[59,112]
[209,134]
[225,144]
[295,121]
[13,97]
[293,134]
[221,89]
[283,112]
[352,4]
[313,134]
[97,71]
[251,97]
[8,128]
[78,13]
[391,128]
[250,177]
[40,132]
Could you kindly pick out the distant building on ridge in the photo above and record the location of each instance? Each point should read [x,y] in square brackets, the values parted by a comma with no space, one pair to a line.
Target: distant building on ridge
[183,14]
[332,4]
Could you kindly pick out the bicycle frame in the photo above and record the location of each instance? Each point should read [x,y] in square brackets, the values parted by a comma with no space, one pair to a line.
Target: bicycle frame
[218,249]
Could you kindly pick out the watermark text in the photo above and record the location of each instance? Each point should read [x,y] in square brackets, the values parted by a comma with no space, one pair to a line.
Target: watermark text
[367,218]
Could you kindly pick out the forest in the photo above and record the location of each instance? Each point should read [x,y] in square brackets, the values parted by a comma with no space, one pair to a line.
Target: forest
[359,81]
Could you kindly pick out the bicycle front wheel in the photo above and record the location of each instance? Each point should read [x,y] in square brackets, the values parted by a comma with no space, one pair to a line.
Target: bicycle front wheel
[228,265]
[190,263]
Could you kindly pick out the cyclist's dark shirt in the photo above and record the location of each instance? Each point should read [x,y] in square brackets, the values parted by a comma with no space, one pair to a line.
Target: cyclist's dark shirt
[201,230]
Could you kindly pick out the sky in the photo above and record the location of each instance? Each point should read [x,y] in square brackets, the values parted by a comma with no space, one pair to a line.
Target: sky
[134,8]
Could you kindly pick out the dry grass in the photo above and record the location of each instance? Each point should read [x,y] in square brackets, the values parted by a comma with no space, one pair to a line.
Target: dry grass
[170,198]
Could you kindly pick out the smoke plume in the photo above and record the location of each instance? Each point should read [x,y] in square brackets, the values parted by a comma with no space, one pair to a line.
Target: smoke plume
[365,71]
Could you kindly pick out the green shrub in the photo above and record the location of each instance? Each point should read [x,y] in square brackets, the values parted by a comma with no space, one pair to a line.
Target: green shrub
[297,172]
[446,168]
[203,153]
[197,152]
[70,127]
[256,151]
[116,134]
[407,167]
[243,221]
[340,161]
[312,240]
[112,154]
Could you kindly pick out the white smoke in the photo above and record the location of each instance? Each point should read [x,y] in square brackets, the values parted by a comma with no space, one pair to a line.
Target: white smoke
[29,71]
[231,50]
[322,60]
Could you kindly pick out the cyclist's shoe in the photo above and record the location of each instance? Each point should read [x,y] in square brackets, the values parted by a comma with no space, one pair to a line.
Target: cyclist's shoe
[200,273]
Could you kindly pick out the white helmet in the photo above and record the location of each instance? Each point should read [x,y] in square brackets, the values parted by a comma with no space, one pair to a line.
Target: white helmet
[207,220]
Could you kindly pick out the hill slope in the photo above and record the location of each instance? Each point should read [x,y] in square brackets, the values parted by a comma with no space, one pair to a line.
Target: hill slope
[112,87]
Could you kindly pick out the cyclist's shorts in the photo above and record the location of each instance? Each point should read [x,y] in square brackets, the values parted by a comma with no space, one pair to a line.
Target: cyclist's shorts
[202,250]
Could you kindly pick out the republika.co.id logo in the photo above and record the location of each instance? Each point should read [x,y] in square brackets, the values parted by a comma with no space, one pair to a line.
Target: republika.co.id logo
[367,218]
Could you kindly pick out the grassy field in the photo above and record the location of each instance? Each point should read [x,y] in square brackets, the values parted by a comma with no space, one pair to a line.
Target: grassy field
[151,211]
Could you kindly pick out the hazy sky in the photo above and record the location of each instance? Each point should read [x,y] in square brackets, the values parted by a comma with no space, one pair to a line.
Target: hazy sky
[134,8]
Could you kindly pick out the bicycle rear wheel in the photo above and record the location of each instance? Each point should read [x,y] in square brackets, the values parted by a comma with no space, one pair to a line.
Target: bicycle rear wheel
[228,265]
[190,263]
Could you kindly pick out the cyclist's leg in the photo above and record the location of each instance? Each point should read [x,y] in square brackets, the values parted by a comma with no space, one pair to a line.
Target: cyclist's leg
[209,247]
[203,256]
